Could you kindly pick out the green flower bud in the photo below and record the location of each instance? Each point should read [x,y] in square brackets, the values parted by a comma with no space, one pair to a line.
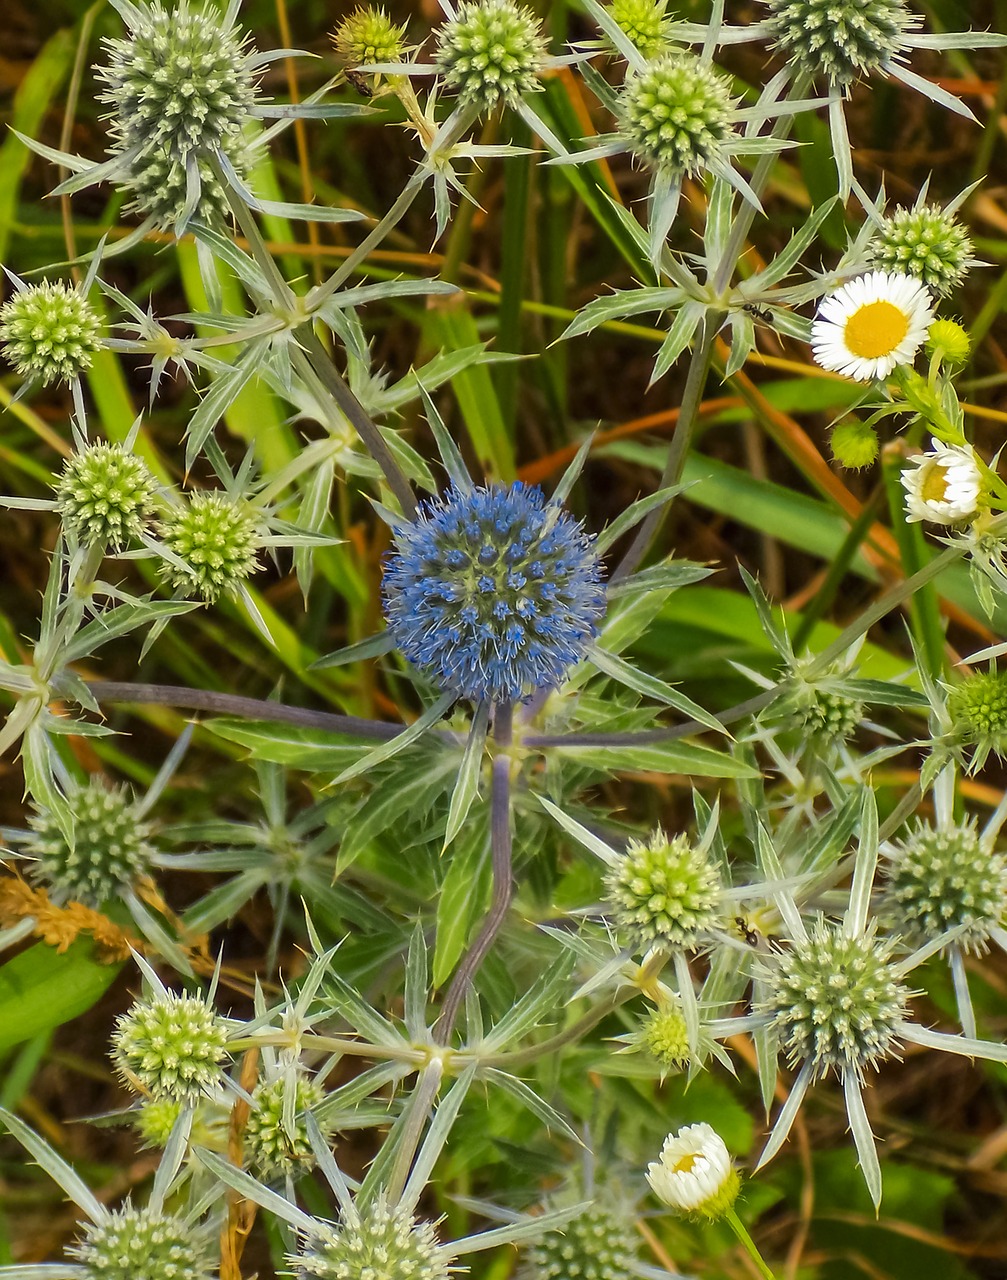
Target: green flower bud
[491,52]
[854,444]
[598,1244]
[105,496]
[950,341]
[677,114]
[218,539]
[645,23]
[378,1242]
[977,707]
[142,1244]
[271,1148]
[368,35]
[841,40]
[664,893]
[926,242]
[171,1047]
[49,332]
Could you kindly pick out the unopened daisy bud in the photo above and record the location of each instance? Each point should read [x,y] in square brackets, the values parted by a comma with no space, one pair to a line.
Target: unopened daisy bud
[493,593]
[271,1148]
[105,496]
[677,113]
[49,331]
[694,1174]
[940,879]
[111,846]
[664,892]
[977,707]
[835,1000]
[950,341]
[666,1035]
[599,1244]
[839,39]
[645,23]
[491,52]
[368,35]
[171,1047]
[926,242]
[872,325]
[854,444]
[218,538]
[142,1244]
[942,486]
[378,1241]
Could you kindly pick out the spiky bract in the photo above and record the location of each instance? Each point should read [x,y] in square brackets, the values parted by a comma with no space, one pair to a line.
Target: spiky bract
[171,1047]
[664,892]
[377,1243]
[598,1244]
[836,1000]
[49,331]
[677,114]
[142,1244]
[110,846]
[940,879]
[271,1146]
[218,538]
[493,593]
[491,52]
[180,87]
[839,39]
[105,495]
[926,242]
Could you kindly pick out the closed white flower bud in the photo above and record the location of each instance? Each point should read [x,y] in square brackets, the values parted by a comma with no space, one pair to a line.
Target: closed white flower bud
[694,1173]
[945,486]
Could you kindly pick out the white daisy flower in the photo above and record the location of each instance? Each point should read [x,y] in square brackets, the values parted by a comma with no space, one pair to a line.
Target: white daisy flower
[694,1172]
[871,325]
[945,486]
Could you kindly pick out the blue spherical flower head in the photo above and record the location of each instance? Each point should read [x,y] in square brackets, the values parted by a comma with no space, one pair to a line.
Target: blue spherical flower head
[493,593]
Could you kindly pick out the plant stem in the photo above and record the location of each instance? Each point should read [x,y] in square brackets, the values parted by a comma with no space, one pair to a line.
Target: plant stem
[348,403]
[738,1227]
[230,704]
[503,886]
[575,1031]
[681,442]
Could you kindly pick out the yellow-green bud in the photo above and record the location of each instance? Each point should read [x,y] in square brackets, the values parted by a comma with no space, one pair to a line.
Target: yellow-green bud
[950,341]
[368,35]
[854,445]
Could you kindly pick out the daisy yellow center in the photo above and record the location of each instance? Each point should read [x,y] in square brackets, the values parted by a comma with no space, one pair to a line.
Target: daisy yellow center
[935,484]
[875,329]
[684,1163]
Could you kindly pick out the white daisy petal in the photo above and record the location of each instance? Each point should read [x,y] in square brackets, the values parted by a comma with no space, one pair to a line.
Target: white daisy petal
[945,486]
[693,1173]
[871,325]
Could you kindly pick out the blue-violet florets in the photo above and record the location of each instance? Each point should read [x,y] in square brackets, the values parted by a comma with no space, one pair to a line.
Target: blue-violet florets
[493,593]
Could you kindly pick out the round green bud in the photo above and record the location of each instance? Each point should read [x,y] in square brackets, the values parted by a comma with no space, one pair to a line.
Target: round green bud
[105,496]
[841,40]
[49,332]
[491,52]
[977,707]
[950,341]
[666,1035]
[645,23]
[366,36]
[271,1148]
[111,846]
[218,539]
[379,1243]
[828,714]
[944,879]
[854,444]
[926,242]
[171,1047]
[664,893]
[677,113]
[155,1121]
[835,1000]
[142,1244]
[599,1244]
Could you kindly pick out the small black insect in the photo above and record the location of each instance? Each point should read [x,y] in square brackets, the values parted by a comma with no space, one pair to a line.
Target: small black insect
[360,82]
[746,931]
[760,313]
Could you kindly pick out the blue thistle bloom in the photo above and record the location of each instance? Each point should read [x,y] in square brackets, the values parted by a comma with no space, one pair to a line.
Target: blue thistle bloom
[494,593]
